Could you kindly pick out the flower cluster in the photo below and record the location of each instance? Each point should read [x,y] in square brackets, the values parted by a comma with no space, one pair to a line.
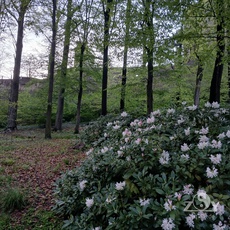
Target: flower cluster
[141,173]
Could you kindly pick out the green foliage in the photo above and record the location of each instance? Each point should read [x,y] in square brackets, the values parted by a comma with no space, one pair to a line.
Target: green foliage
[12,199]
[141,173]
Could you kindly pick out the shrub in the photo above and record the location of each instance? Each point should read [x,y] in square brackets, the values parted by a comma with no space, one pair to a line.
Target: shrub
[170,170]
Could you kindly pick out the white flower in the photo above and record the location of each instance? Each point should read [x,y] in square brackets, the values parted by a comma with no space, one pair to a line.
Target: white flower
[156,113]
[170,111]
[215,159]
[82,184]
[126,139]
[189,220]
[116,127]
[187,131]
[228,134]
[216,144]
[221,135]
[184,103]
[184,147]
[192,108]
[104,149]
[203,138]
[150,120]
[109,124]
[188,190]
[169,206]
[211,173]
[202,145]
[144,202]
[128,158]
[185,156]
[96,228]
[218,209]
[138,141]
[126,132]
[120,153]
[181,120]
[120,185]
[88,152]
[207,105]
[215,105]
[204,131]
[124,114]
[202,215]
[89,202]
[178,195]
[164,159]
[220,226]
[167,224]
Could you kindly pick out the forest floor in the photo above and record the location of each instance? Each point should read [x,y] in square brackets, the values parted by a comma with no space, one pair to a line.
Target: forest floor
[31,164]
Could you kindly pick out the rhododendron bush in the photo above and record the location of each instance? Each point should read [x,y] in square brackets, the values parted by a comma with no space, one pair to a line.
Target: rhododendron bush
[170,170]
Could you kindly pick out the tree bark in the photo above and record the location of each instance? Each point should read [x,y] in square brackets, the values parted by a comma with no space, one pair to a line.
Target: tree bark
[78,117]
[148,18]
[60,107]
[124,68]
[13,100]
[199,77]
[51,73]
[105,57]
[219,65]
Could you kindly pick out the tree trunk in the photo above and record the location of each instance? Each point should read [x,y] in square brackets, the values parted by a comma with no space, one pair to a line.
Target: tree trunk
[229,72]
[13,100]
[105,57]
[149,11]
[124,68]
[51,73]
[60,107]
[199,77]
[150,82]
[219,65]
[77,127]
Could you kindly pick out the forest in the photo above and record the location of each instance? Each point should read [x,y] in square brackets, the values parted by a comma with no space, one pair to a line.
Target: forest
[111,49]
[142,88]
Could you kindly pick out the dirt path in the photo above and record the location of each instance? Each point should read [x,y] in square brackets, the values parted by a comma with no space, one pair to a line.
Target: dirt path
[35,165]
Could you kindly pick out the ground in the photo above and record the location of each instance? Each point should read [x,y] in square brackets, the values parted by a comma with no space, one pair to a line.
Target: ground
[32,164]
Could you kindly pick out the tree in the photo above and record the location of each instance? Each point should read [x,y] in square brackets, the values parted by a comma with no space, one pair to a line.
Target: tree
[13,100]
[60,107]
[107,7]
[219,62]
[83,32]
[148,30]
[51,72]
[125,55]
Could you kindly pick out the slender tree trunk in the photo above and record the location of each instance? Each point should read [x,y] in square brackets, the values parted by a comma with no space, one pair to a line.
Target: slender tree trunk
[199,77]
[150,82]
[60,107]
[13,100]
[229,72]
[77,127]
[149,12]
[219,65]
[105,57]
[51,73]
[124,68]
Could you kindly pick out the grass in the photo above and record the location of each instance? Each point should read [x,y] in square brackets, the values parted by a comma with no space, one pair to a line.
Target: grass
[12,199]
